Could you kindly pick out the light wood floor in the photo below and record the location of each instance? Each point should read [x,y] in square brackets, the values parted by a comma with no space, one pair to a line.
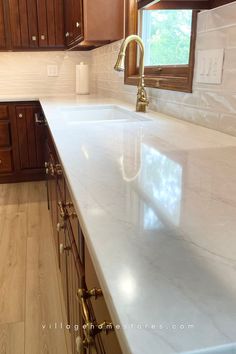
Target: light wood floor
[30,292]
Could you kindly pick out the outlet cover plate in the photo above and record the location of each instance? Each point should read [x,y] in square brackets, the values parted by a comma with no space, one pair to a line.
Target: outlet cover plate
[210,66]
[52,70]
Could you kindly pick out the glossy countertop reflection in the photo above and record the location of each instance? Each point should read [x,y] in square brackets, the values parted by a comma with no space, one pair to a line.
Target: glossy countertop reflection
[157,203]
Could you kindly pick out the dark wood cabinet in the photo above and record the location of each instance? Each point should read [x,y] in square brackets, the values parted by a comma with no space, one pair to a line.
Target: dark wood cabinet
[50,23]
[3,43]
[78,274]
[23,23]
[89,24]
[36,24]
[59,24]
[22,141]
[30,136]
[73,22]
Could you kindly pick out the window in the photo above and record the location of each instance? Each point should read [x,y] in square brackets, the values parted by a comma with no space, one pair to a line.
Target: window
[167,36]
[169,40]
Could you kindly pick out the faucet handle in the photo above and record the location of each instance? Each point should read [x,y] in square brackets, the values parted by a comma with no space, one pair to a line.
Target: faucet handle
[142,100]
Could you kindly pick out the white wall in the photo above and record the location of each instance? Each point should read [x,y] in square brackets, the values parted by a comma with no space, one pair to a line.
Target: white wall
[26,73]
[212,106]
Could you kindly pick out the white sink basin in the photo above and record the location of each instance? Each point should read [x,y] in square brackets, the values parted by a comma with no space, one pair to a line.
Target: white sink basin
[92,114]
[221,349]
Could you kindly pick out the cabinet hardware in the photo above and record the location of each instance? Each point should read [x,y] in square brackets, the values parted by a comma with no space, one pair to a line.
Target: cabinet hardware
[46,165]
[79,345]
[61,210]
[67,34]
[0,162]
[42,37]
[58,169]
[66,210]
[20,115]
[77,24]
[39,120]
[62,248]
[70,211]
[34,38]
[91,329]
[60,227]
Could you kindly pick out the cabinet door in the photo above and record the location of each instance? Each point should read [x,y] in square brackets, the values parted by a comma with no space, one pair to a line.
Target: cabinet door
[23,23]
[75,281]
[50,23]
[73,22]
[103,343]
[2,27]
[30,137]
[105,21]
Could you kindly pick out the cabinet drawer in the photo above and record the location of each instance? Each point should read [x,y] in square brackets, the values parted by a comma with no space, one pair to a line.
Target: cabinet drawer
[5,139]
[6,161]
[3,112]
[103,343]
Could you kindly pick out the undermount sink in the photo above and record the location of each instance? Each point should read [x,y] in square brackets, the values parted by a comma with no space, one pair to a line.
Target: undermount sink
[221,349]
[100,114]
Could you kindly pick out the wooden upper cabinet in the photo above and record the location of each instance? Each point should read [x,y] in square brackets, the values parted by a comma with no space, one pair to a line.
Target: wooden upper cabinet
[93,23]
[36,23]
[103,21]
[2,27]
[73,21]
[50,23]
[23,23]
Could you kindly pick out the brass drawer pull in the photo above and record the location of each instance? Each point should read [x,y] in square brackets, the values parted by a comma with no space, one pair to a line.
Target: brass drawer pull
[91,329]
[70,211]
[63,248]
[66,210]
[61,210]
[58,169]
[60,227]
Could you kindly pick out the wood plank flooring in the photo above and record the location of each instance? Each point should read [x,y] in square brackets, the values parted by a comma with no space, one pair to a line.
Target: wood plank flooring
[30,291]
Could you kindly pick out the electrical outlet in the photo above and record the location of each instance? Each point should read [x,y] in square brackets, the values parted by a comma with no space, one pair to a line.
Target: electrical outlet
[210,66]
[52,70]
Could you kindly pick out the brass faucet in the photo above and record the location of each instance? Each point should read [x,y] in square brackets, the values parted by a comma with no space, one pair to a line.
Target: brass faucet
[142,100]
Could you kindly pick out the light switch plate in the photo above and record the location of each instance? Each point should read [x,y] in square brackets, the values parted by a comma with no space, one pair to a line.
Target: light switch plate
[52,70]
[210,66]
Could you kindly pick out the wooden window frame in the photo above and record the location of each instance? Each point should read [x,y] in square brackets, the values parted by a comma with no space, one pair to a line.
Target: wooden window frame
[175,78]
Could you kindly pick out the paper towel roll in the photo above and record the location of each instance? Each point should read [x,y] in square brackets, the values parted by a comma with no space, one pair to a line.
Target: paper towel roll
[82,79]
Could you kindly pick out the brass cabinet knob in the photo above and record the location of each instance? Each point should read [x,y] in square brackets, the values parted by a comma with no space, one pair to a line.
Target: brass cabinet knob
[63,248]
[58,169]
[61,210]
[20,115]
[77,24]
[34,38]
[60,227]
[67,34]
[42,37]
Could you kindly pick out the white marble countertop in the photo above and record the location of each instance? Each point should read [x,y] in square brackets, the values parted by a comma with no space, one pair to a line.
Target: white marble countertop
[157,201]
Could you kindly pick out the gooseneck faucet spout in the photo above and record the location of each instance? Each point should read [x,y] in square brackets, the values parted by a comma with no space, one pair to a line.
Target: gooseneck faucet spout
[142,100]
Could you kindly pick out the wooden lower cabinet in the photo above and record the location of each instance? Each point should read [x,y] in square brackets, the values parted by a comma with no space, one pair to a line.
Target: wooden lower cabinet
[22,141]
[84,311]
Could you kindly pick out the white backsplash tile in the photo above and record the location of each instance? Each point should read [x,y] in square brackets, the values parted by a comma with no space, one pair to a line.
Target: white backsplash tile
[213,106]
[26,73]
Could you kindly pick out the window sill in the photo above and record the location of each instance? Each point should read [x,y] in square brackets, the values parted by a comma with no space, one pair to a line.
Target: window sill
[173,83]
